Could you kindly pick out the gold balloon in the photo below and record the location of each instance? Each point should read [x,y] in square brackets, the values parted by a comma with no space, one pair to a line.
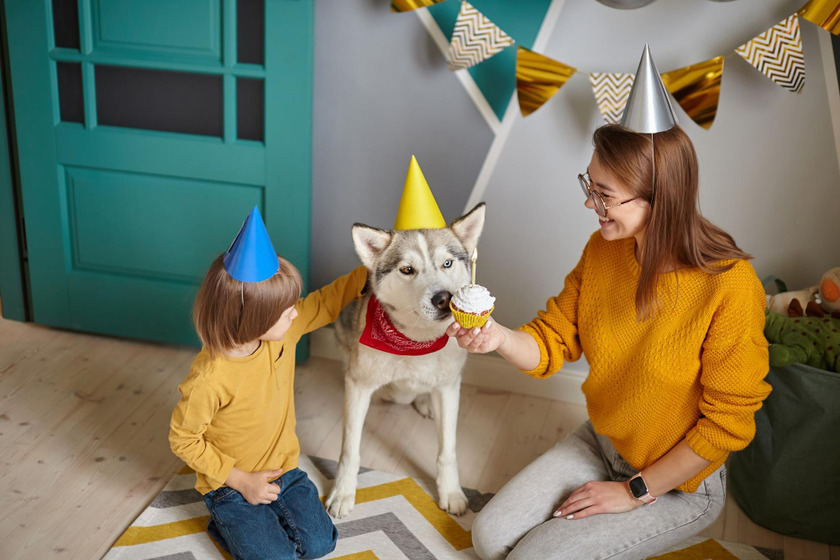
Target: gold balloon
[408,5]
[825,13]
[697,89]
[538,77]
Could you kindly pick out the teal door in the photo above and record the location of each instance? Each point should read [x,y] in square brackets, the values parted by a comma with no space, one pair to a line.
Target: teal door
[146,130]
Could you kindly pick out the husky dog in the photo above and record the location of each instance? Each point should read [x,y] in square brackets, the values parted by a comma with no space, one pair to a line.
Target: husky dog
[412,274]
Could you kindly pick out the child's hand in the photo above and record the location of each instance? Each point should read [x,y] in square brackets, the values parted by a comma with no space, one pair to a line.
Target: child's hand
[255,487]
[478,340]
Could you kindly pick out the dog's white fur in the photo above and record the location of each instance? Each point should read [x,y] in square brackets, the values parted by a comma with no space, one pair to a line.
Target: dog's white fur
[412,273]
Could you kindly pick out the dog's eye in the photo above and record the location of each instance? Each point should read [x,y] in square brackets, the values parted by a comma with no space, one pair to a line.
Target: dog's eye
[447,264]
[407,270]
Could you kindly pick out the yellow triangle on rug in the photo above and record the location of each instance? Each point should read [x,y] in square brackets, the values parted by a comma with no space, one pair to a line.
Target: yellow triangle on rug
[395,518]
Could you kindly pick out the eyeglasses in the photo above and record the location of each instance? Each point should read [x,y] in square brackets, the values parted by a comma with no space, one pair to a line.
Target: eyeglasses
[600,206]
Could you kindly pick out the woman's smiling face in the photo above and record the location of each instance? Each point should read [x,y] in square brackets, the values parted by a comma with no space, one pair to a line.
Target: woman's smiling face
[627,220]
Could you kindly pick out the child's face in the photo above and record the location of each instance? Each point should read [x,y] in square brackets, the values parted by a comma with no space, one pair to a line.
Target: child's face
[278,331]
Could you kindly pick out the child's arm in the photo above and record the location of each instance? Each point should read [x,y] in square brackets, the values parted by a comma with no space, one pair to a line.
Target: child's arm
[190,420]
[322,307]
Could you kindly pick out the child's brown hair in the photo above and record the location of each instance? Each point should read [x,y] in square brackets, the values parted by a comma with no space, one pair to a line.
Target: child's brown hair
[228,313]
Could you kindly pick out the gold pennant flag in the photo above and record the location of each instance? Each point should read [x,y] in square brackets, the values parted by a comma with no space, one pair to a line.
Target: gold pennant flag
[475,39]
[697,89]
[778,54]
[538,78]
[408,5]
[611,92]
[825,13]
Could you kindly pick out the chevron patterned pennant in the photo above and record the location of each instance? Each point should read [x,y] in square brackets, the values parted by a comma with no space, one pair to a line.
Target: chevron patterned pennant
[825,13]
[538,78]
[475,39]
[777,53]
[611,92]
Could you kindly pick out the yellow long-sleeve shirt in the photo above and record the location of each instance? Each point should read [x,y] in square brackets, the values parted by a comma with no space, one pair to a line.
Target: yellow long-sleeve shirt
[695,371]
[240,412]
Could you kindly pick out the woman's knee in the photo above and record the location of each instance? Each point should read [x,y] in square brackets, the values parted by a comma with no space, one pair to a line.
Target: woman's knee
[488,535]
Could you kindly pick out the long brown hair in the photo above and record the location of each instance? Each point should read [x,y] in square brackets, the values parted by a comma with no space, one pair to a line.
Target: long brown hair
[228,313]
[677,235]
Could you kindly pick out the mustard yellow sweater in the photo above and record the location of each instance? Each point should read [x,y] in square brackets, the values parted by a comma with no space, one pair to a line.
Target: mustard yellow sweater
[695,371]
[240,412]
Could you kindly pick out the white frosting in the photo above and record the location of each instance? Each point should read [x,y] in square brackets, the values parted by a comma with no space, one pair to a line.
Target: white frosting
[473,299]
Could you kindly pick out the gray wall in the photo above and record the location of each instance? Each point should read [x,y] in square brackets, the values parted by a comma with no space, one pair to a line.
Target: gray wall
[769,164]
[382,93]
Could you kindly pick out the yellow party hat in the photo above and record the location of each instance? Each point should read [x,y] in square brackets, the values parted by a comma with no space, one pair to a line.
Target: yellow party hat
[418,209]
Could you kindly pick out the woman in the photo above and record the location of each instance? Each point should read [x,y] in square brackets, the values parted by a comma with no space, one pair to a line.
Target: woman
[670,316]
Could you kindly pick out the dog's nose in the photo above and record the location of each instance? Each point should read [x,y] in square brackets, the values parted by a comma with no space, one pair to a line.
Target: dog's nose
[441,300]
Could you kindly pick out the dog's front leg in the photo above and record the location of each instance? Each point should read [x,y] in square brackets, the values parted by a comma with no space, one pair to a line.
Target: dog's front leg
[445,411]
[356,402]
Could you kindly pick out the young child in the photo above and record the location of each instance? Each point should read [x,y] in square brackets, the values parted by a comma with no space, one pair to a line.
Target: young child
[235,422]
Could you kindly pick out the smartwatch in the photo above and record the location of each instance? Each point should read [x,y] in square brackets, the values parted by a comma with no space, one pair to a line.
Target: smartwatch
[640,490]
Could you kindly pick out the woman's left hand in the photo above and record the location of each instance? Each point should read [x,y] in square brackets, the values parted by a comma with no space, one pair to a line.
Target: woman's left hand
[596,497]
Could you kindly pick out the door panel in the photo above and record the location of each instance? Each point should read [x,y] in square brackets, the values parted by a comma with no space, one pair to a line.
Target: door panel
[156,27]
[144,142]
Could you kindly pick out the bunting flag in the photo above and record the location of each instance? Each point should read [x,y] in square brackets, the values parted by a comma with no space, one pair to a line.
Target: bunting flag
[611,92]
[825,13]
[697,89]
[408,5]
[777,53]
[475,39]
[538,77]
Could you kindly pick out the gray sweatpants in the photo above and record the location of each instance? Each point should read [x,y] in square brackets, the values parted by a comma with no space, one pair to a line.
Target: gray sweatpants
[517,524]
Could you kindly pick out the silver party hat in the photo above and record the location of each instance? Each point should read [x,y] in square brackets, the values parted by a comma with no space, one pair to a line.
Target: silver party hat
[648,108]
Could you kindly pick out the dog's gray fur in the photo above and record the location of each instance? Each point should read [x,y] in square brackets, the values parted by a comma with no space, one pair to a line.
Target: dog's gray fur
[413,274]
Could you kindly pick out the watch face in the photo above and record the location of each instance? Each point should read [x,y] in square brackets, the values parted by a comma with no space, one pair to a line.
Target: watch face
[638,487]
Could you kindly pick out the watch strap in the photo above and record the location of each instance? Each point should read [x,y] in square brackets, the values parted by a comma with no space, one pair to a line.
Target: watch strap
[646,497]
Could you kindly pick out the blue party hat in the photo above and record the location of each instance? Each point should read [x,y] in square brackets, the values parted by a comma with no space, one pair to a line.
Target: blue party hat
[251,257]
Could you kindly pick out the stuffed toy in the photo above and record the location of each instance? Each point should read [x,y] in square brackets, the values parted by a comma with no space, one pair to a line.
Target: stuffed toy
[816,301]
[830,292]
[814,341]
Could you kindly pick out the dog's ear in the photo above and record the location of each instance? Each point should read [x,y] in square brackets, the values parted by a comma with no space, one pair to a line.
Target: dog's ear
[468,228]
[370,242]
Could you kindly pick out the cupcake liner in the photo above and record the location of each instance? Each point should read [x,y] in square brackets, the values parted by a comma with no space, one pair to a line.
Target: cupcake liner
[470,320]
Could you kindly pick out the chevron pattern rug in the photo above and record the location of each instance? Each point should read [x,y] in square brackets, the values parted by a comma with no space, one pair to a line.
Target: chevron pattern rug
[396,518]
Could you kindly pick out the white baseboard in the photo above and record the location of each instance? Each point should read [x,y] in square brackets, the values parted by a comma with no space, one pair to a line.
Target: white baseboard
[488,371]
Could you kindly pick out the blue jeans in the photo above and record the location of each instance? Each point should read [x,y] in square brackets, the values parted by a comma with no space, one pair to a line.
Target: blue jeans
[296,525]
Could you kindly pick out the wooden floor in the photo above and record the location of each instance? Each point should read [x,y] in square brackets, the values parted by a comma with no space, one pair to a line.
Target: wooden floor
[84,424]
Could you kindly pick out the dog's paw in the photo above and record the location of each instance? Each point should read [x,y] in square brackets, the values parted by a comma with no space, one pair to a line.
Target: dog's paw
[455,503]
[423,405]
[338,505]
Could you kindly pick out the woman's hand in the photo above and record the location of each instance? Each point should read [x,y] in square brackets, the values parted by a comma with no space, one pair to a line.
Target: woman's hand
[517,347]
[478,340]
[255,487]
[596,497]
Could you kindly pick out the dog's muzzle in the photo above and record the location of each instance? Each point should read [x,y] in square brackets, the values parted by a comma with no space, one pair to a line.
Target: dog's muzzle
[441,302]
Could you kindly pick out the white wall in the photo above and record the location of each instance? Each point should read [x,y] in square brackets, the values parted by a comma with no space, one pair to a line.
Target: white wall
[768,167]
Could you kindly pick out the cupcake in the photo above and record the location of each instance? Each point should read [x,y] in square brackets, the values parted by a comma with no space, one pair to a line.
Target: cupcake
[471,306]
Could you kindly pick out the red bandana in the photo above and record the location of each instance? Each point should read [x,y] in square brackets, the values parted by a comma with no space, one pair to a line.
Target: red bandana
[381,334]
